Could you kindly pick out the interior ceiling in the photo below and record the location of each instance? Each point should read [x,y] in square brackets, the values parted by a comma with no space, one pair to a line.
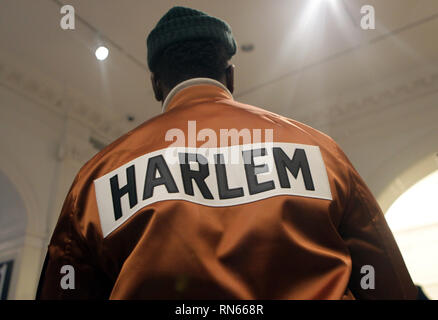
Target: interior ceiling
[304,50]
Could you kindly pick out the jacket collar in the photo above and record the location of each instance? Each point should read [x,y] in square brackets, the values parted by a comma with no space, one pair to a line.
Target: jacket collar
[190,89]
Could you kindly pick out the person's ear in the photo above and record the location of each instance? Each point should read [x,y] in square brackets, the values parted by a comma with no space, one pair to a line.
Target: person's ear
[229,75]
[157,87]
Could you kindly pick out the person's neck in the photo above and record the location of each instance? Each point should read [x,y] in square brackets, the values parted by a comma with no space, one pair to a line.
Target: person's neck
[166,90]
[187,83]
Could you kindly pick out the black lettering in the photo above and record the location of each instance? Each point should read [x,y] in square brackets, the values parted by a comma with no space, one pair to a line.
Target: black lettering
[155,164]
[298,161]
[199,176]
[252,170]
[117,193]
[222,181]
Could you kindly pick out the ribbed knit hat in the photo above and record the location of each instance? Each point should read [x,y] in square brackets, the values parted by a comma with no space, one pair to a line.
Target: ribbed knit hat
[182,24]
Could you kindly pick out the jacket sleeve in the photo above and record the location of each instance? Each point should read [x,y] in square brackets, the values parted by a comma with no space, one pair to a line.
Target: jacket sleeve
[70,270]
[378,269]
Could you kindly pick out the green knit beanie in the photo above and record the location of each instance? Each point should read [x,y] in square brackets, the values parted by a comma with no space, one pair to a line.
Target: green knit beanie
[182,24]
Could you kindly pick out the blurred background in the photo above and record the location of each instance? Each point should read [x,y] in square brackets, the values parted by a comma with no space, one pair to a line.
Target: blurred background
[370,85]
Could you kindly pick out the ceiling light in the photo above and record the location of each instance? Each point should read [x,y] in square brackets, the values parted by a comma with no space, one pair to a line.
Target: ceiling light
[101,53]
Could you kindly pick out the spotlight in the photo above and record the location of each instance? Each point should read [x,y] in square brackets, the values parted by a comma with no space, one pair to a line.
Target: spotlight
[101,53]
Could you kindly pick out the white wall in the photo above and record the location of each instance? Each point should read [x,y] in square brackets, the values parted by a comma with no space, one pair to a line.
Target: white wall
[30,137]
[381,142]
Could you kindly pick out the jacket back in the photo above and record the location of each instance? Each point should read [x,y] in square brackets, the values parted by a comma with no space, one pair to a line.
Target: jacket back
[165,212]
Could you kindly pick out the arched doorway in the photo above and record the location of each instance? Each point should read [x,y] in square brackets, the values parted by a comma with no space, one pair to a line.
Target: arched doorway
[13,222]
[413,219]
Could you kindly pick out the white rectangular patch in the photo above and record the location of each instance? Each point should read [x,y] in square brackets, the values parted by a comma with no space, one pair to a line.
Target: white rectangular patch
[283,169]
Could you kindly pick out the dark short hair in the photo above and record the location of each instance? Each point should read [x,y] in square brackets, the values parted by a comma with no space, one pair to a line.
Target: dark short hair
[206,58]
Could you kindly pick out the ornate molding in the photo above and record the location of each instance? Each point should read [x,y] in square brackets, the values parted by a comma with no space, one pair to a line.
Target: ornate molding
[375,97]
[326,112]
[76,145]
[80,152]
[64,102]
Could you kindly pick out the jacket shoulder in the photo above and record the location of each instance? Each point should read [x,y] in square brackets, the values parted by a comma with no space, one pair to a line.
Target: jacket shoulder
[117,147]
[321,136]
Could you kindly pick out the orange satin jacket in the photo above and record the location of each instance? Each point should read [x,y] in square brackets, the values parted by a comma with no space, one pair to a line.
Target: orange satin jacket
[294,221]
